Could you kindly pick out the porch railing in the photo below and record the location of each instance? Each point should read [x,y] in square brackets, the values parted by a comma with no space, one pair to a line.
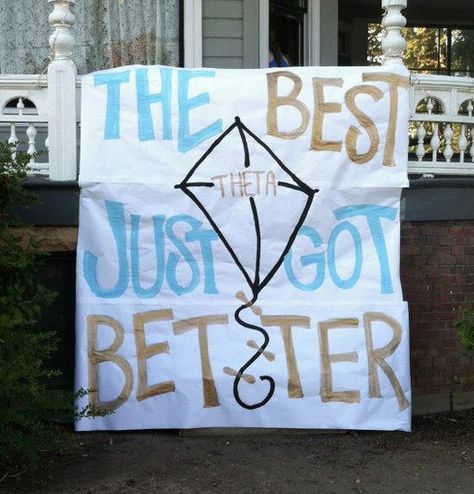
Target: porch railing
[41,112]
[442,125]
[24,117]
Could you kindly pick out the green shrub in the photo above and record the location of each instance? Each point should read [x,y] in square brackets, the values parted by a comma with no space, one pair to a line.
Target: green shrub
[465,327]
[30,410]
[25,407]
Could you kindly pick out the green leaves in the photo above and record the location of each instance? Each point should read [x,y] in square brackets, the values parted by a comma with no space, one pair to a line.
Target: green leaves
[27,405]
[465,327]
[30,409]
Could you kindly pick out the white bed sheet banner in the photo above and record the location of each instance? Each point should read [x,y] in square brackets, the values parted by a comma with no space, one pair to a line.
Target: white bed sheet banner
[238,256]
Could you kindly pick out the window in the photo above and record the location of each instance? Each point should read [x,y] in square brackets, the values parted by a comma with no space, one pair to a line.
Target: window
[430,50]
[109,33]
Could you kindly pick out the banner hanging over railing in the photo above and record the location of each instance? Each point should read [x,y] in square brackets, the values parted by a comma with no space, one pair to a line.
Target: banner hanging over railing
[238,257]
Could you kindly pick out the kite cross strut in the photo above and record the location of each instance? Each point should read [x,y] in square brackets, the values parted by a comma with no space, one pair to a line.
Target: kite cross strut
[257,270]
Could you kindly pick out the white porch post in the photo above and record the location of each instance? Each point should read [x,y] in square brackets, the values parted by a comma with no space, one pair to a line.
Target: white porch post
[393,20]
[62,93]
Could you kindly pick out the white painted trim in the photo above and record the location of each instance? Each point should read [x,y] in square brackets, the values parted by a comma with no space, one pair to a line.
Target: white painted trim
[192,26]
[313,33]
[23,81]
[263,35]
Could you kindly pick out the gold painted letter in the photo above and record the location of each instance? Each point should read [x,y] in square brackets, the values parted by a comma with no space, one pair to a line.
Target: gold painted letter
[320,108]
[274,101]
[377,357]
[394,82]
[366,123]
[327,393]
[286,323]
[145,351]
[201,323]
[108,355]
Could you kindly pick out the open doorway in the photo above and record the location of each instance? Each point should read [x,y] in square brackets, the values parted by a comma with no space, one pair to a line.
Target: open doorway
[286,32]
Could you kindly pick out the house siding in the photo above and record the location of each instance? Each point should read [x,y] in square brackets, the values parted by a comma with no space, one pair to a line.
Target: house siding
[230,34]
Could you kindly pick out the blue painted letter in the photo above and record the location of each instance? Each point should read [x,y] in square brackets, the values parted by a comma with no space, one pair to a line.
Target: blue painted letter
[153,290]
[146,131]
[204,237]
[373,214]
[112,113]
[352,280]
[307,260]
[186,140]
[116,217]
[173,258]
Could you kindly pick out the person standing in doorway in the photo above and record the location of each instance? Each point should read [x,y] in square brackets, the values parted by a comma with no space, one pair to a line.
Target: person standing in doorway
[275,55]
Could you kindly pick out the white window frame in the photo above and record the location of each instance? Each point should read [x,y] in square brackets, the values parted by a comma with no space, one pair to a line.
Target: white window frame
[192,27]
[264,32]
[312,33]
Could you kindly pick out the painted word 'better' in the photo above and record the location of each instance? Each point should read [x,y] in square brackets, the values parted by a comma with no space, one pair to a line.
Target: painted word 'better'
[376,357]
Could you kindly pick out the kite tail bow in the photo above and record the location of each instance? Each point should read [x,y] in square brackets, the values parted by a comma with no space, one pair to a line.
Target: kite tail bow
[257,354]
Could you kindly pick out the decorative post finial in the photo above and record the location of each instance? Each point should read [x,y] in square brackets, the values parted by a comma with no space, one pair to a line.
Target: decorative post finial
[61,19]
[393,20]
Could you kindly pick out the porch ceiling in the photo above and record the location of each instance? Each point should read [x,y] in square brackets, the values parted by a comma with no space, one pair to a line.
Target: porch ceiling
[454,12]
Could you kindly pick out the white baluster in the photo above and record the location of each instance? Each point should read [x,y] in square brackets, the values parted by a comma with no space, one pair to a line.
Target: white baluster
[429,106]
[31,133]
[448,150]
[471,149]
[435,142]
[470,108]
[62,93]
[13,140]
[21,106]
[421,134]
[462,143]
[393,20]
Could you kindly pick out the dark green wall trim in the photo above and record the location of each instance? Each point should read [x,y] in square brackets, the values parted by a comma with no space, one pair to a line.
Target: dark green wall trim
[58,203]
[427,199]
[438,199]
[444,182]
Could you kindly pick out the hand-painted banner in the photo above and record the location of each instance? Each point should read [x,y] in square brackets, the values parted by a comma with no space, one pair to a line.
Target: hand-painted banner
[238,257]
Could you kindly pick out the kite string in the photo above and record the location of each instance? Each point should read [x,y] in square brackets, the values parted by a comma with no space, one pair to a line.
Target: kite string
[249,304]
